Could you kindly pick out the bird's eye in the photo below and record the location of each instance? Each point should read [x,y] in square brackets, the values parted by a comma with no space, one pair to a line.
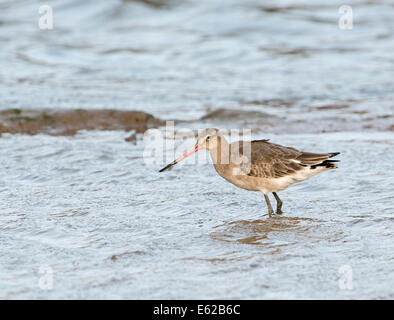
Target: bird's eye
[208,137]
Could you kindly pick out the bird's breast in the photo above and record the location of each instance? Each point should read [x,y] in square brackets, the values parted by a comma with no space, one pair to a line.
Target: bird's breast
[234,175]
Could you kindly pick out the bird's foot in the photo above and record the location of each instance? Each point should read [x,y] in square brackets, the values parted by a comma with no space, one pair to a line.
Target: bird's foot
[270,213]
[279,208]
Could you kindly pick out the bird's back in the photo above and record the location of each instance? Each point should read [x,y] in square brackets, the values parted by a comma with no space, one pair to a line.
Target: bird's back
[272,161]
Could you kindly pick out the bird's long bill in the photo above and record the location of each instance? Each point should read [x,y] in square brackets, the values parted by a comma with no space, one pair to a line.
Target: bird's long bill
[190,152]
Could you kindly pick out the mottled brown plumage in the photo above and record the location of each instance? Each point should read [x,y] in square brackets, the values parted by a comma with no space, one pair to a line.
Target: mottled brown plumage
[270,160]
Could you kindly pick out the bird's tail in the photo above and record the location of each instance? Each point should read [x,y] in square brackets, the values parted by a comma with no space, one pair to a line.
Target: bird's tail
[329,164]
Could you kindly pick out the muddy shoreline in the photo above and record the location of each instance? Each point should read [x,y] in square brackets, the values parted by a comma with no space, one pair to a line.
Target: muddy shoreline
[69,122]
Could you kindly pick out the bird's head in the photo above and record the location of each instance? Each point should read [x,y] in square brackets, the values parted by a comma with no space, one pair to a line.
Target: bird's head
[207,139]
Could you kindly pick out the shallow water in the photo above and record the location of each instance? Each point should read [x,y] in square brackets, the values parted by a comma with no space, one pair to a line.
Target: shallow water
[184,58]
[109,226]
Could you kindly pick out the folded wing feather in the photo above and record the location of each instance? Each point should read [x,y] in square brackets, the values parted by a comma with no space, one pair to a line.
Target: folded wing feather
[269,160]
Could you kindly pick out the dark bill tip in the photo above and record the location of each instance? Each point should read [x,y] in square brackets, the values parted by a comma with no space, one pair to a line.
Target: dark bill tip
[167,167]
[195,149]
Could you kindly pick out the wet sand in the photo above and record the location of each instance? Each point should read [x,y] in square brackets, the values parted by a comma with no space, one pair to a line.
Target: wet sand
[69,122]
[326,118]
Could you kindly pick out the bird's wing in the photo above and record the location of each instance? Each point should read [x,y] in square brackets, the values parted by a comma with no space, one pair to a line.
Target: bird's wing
[308,158]
[270,160]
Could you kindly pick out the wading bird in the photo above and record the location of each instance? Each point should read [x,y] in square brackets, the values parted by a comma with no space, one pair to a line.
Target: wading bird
[260,165]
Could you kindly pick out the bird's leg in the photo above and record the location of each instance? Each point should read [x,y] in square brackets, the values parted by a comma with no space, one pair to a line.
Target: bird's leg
[278,203]
[270,211]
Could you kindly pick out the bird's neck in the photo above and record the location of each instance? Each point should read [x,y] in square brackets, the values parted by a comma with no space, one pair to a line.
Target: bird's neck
[221,154]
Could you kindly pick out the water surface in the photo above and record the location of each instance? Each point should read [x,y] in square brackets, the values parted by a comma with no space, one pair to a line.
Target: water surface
[109,226]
